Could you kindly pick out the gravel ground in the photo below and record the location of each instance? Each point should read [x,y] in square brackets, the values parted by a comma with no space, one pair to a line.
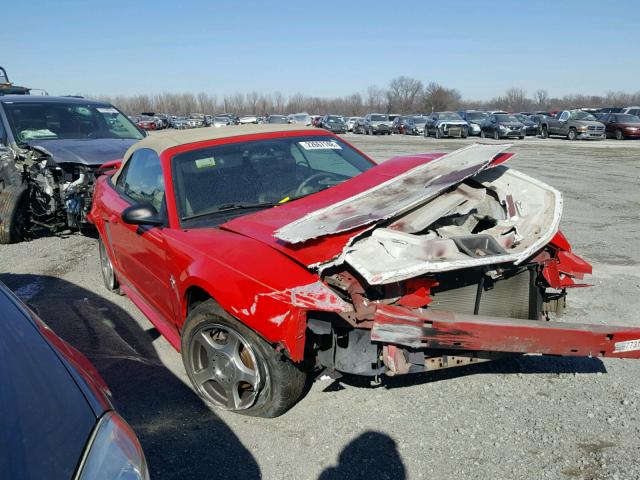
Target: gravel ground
[525,418]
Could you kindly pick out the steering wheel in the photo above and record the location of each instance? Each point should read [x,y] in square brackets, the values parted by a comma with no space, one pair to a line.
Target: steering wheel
[307,181]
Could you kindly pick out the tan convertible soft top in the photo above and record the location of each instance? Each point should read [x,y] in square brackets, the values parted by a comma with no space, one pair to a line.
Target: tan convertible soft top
[161,141]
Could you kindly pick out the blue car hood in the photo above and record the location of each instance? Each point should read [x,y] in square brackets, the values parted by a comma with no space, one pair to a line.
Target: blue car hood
[85,152]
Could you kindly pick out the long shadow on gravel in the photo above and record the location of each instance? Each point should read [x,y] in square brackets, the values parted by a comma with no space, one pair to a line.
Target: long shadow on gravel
[524,365]
[181,437]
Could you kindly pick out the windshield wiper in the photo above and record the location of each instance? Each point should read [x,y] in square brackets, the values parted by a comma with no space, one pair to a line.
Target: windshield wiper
[229,207]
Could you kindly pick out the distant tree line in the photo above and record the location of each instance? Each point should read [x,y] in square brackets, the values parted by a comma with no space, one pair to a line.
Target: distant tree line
[402,95]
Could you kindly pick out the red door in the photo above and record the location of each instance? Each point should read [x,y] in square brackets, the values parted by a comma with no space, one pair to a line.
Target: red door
[140,252]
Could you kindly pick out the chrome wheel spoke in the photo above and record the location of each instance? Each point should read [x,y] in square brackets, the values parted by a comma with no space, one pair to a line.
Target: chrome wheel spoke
[247,375]
[203,376]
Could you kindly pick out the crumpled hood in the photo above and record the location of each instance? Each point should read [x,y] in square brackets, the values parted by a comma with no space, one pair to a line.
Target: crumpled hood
[316,228]
[85,152]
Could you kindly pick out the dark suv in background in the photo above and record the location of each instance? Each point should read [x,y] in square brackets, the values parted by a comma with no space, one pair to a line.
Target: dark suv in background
[333,123]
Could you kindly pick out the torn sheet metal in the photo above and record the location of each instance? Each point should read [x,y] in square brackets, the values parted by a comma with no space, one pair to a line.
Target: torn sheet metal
[393,197]
[526,213]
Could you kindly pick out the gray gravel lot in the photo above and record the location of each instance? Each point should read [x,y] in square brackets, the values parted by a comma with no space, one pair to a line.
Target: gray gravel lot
[524,418]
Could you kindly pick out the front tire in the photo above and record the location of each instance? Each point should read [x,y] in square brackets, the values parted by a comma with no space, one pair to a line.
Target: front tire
[482,134]
[572,135]
[619,135]
[13,214]
[233,368]
[496,135]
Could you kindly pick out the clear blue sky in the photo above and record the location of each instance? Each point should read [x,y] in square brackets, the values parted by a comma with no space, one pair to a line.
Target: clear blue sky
[322,48]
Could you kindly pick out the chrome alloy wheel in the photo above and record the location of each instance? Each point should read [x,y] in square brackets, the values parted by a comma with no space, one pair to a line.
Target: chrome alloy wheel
[225,368]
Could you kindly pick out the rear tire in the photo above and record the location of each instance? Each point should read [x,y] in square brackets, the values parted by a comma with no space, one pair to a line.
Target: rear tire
[106,267]
[482,134]
[271,383]
[496,134]
[13,214]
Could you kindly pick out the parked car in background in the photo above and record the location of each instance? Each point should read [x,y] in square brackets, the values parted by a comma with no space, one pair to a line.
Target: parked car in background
[218,122]
[537,119]
[333,123]
[392,116]
[180,123]
[530,126]
[414,125]
[611,110]
[474,118]
[300,119]
[573,124]
[58,420]
[446,124]
[358,126]
[621,125]
[631,111]
[277,119]
[397,125]
[147,123]
[502,125]
[351,121]
[377,123]
[315,119]
[52,149]
[246,119]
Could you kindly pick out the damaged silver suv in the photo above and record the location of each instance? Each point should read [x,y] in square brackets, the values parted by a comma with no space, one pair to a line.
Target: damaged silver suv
[51,149]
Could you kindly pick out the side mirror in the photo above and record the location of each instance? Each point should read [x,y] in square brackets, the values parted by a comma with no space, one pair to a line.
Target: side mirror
[142,214]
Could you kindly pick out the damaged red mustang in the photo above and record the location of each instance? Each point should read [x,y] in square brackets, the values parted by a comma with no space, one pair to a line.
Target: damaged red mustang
[262,252]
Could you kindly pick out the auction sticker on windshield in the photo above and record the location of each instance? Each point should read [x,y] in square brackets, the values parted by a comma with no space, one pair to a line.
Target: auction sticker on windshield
[106,110]
[320,145]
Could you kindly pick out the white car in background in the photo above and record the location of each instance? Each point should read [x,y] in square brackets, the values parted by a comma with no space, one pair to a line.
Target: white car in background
[350,122]
[300,118]
[220,122]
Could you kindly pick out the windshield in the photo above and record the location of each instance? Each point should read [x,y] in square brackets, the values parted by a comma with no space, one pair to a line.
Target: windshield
[625,118]
[242,176]
[476,116]
[522,118]
[334,119]
[419,120]
[580,115]
[506,118]
[221,119]
[57,121]
[449,116]
[379,118]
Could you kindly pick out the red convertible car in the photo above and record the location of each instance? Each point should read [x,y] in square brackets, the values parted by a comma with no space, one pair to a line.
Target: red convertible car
[265,251]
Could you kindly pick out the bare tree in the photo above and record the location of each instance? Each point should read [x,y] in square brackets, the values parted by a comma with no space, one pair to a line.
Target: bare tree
[403,92]
[438,98]
[516,99]
[541,97]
